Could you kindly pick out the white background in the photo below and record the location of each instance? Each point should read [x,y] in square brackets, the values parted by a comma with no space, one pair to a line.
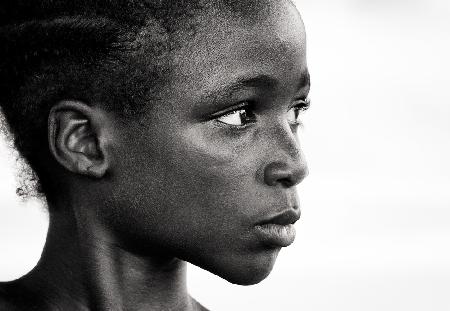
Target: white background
[375,226]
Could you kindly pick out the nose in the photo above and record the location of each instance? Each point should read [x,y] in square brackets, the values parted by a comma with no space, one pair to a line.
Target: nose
[287,166]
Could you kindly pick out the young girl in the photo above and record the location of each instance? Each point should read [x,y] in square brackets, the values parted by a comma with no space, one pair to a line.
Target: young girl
[161,132]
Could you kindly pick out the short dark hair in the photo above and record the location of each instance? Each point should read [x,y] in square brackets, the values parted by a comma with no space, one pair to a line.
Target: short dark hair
[52,50]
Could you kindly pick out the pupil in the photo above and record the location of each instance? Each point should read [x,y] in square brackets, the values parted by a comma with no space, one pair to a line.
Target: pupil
[244,115]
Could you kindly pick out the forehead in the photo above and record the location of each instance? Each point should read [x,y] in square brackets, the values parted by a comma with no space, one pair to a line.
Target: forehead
[226,47]
[274,23]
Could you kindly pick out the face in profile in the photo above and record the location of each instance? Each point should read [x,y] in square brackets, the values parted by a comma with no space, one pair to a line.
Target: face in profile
[208,174]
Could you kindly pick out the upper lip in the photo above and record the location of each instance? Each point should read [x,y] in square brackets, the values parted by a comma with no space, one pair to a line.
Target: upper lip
[284,219]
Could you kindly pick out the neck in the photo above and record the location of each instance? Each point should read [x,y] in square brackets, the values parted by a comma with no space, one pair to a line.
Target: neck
[82,268]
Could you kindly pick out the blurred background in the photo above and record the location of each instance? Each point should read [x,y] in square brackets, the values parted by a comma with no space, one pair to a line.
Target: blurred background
[375,228]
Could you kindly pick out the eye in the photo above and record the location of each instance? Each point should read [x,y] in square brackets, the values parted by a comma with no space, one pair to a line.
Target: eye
[296,110]
[238,117]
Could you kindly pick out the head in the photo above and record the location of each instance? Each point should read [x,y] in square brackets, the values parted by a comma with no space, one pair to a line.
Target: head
[176,120]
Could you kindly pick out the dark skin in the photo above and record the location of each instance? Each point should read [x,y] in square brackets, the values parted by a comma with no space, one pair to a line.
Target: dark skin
[215,156]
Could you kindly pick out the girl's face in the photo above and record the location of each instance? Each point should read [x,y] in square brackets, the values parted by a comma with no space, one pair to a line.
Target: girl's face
[218,154]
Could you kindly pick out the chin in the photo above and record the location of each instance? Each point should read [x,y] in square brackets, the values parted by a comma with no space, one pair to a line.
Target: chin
[249,270]
[247,279]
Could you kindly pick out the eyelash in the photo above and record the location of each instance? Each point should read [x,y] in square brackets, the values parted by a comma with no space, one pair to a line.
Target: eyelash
[250,116]
[301,106]
[247,116]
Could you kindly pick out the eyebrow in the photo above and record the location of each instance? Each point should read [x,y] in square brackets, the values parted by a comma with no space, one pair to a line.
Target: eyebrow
[258,81]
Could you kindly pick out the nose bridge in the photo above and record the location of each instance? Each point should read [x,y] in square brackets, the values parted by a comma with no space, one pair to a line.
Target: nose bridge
[286,165]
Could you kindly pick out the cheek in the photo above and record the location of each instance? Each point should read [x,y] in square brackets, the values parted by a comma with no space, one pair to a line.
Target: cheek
[220,172]
[210,179]
[196,197]
[171,185]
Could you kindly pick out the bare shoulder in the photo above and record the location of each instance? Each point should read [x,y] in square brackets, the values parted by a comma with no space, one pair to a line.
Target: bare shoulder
[7,306]
[6,301]
[14,297]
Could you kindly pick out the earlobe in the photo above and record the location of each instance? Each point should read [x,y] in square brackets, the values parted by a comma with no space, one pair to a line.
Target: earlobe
[74,138]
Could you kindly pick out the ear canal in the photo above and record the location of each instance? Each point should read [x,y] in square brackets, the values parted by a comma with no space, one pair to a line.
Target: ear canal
[82,139]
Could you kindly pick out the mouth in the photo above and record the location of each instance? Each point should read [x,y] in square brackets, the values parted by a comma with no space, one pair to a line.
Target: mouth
[278,231]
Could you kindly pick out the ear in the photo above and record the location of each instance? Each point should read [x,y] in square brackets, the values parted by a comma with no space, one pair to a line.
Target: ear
[77,138]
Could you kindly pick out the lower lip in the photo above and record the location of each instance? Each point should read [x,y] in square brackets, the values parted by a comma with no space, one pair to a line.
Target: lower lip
[276,235]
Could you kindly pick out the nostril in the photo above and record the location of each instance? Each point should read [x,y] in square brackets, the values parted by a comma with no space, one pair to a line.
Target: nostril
[286,182]
[282,174]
